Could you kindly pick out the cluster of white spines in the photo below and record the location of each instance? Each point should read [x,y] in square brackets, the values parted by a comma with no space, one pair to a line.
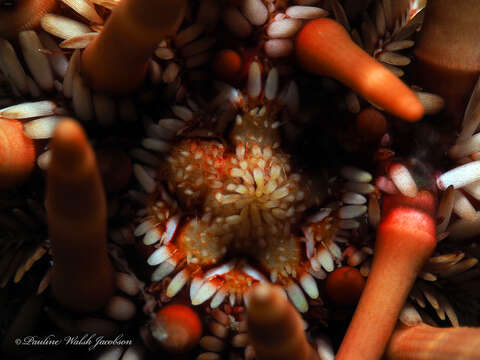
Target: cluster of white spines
[258,196]
[190,47]
[40,120]
[383,37]
[49,69]
[280,25]
[463,182]
[225,330]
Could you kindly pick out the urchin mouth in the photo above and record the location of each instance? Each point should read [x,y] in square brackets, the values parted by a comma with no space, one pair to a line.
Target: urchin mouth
[239,213]
[208,243]
[247,203]
[250,201]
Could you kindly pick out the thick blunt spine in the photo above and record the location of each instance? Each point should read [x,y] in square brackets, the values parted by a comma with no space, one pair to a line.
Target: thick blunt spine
[83,276]
[405,240]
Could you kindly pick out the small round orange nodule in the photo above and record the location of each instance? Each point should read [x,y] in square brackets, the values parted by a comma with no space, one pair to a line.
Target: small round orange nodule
[345,285]
[227,64]
[371,124]
[177,328]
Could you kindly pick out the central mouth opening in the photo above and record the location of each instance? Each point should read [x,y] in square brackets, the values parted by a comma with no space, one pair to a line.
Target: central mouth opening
[245,201]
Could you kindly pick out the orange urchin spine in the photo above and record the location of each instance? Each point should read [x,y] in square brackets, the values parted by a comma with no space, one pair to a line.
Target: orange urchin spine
[116,61]
[17,154]
[405,240]
[447,52]
[426,342]
[82,275]
[275,327]
[324,47]
[24,15]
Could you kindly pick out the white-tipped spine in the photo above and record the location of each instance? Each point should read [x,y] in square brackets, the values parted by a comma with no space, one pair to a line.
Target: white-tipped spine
[460,176]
